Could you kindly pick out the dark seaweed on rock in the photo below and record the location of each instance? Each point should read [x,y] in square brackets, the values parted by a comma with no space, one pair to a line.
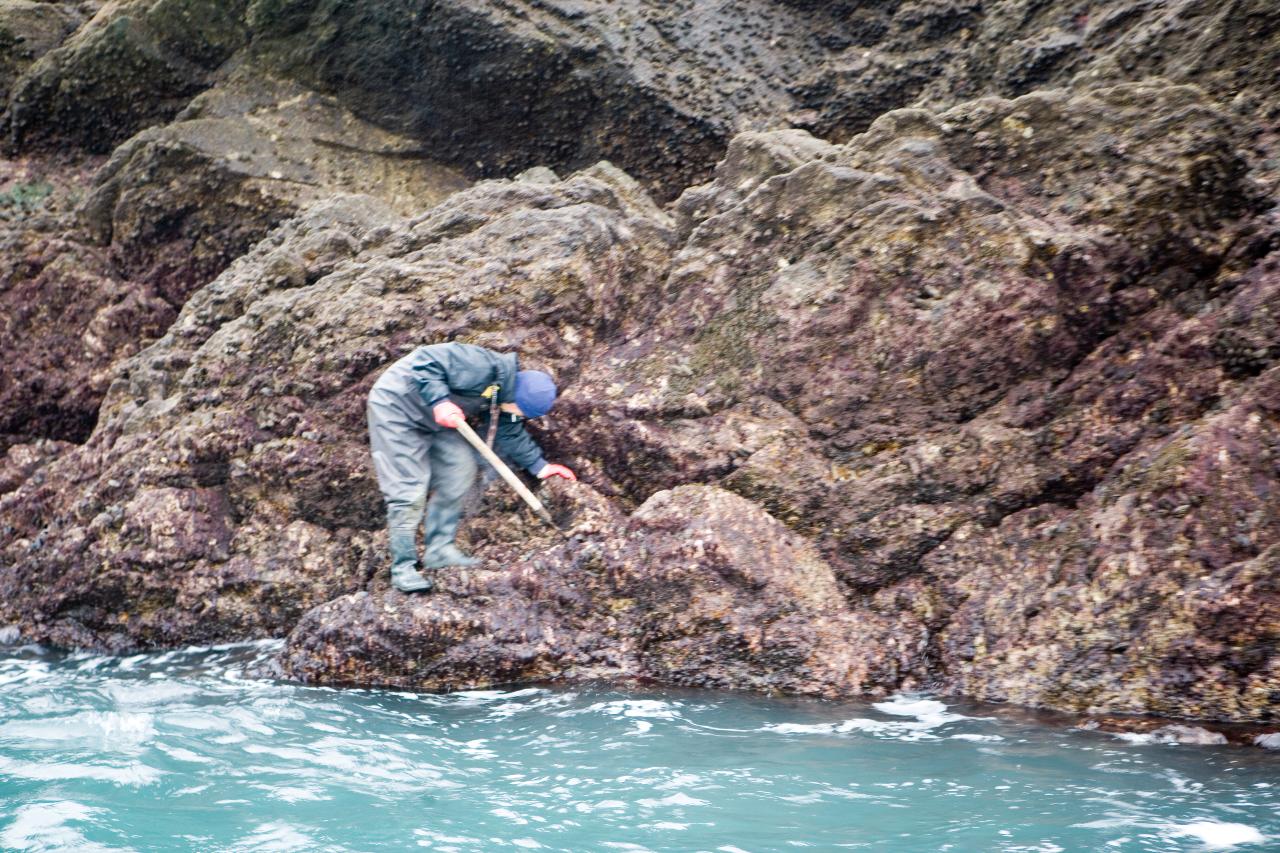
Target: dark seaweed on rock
[955,367]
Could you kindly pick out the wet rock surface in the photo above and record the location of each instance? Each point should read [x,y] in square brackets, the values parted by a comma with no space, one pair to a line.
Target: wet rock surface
[657,87]
[99,266]
[698,587]
[31,28]
[65,316]
[178,203]
[134,63]
[885,364]
[238,436]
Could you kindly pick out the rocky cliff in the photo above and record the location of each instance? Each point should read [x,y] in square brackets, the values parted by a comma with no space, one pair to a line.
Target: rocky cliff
[903,344]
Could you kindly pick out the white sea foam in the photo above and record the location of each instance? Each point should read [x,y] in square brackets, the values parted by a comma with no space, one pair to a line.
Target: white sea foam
[1217,835]
[443,841]
[676,799]
[480,697]
[1213,834]
[374,764]
[903,706]
[190,790]
[275,837]
[1173,734]
[134,773]
[1109,823]
[291,794]
[678,781]
[929,714]
[201,721]
[803,728]
[135,693]
[43,826]
[109,730]
[612,805]
[1270,741]
[246,720]
[180,754]
[652,709]
[112,731]
[1139,738]
[23,671]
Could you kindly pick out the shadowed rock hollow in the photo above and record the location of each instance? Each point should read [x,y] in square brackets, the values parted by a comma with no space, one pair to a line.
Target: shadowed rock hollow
[978,395]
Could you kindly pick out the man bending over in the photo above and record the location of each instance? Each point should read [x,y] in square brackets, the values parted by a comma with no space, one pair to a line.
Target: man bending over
[414,409]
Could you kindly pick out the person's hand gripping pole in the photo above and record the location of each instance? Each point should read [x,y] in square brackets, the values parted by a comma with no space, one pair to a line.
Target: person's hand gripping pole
[506,473]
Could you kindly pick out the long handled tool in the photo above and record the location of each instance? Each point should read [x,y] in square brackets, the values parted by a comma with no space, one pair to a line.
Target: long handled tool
[507,474]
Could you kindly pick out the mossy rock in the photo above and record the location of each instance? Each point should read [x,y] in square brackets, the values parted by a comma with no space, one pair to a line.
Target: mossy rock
[115,77]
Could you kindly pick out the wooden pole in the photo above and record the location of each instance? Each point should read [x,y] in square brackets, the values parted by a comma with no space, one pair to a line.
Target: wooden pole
[507,474]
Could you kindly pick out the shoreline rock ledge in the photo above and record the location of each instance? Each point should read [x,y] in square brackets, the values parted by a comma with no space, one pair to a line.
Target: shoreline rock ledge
[698,587]
[949,360]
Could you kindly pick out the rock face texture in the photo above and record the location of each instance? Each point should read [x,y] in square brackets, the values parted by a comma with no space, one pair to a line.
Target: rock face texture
[238,436]
[698,587]
[903,345]
[134,63]
[31,28]
[94,280]
[658,87]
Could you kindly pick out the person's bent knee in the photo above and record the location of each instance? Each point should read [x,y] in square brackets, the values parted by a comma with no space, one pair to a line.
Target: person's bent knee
[406,504]
[454,485]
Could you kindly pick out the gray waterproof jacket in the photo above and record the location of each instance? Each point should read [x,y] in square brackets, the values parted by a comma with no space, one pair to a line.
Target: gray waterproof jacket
[462,373]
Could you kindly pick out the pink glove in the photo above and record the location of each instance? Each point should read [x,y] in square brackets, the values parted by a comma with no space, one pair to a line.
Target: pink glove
[557,471]
[448,414]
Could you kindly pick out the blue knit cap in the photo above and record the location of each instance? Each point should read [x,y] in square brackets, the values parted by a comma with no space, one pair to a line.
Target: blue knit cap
[535,393]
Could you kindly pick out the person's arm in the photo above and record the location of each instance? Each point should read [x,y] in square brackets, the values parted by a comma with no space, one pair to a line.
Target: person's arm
[441,368]
[516,444]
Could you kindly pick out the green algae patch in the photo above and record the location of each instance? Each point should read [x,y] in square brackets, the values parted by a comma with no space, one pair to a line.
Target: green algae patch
[23,199]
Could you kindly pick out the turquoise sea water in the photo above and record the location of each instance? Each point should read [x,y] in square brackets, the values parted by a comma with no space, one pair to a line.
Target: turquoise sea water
[183,751]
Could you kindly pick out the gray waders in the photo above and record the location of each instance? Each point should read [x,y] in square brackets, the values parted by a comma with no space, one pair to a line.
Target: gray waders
[412,460]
